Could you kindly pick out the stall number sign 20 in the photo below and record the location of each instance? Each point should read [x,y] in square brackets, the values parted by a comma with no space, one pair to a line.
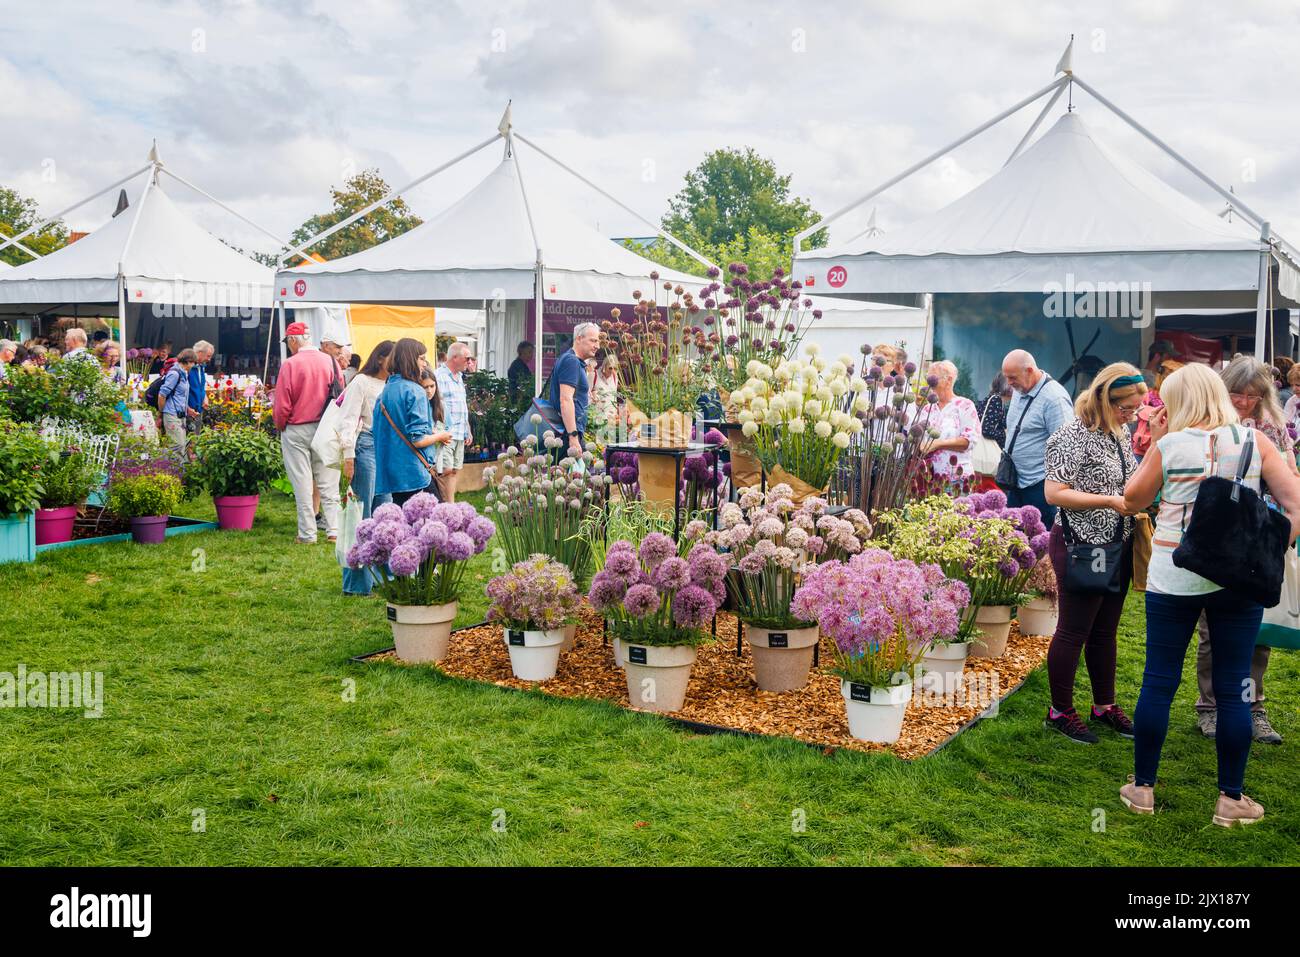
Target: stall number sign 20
[837,276]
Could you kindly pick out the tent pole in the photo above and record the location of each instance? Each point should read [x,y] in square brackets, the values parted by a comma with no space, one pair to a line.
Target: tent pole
[1262,317]
[121,318]
[1235,200]
[283,348]
[218,202]
[270,337]
[10,240]
[392,194]
[538,308]
[627,209]
[826,221]
[1038,122]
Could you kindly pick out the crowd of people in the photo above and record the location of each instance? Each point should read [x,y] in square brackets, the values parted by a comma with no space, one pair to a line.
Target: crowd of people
[1119,466]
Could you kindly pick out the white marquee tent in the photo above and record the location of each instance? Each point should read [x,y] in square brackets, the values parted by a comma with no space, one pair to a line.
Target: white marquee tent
[1067,211]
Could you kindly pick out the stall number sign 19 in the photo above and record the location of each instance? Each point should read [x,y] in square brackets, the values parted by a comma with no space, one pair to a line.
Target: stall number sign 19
[837,276]
[516,638]
[778,639]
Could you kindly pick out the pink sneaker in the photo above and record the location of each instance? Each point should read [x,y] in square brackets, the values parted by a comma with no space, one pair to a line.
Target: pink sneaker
[1138,798]
[1228,813]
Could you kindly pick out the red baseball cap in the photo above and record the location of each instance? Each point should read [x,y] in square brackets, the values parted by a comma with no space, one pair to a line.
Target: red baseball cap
[296,329]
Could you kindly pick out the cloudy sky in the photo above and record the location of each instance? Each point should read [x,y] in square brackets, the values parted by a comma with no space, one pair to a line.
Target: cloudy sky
[267,103]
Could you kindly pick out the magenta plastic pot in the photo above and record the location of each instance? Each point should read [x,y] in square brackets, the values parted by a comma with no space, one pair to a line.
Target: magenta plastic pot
[55,524]
[149,529]
[236,512]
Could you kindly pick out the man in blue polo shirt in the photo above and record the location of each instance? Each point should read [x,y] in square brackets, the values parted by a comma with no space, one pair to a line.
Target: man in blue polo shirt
[199,385]
[1039,406]
[570,390]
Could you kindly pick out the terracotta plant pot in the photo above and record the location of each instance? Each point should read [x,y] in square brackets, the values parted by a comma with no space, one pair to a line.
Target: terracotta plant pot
[422,633]
[1037,617]
[994,623]
[55,524]
[946,663]
[235,512]
[657,675]
[534,655]
[149,529]
[782,657]
[875,714]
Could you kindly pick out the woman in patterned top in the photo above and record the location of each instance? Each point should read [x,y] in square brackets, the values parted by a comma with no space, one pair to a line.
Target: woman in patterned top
[957,423]
[1088,461]
[1203,439]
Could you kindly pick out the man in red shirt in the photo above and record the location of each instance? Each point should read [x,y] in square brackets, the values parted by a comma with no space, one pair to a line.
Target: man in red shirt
[302,390]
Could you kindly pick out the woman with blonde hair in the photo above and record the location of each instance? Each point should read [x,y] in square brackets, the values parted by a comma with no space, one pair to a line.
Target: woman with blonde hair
[956,422]
[1254,397]
[1196,435]
[1088,461]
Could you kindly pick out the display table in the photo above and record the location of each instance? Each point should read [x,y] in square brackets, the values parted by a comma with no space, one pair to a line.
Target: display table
[678,455]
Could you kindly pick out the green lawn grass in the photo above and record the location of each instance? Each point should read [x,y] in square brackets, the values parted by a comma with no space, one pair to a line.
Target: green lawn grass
[225,693]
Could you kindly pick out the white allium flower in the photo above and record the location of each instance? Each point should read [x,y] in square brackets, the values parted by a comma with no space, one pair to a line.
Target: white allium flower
[777,403]
[855,426]
[812,408]
[749,429]
[859,385]
[823,429]
[838,387]
[744,415]
[759,404]
[841,440]
[811,348]
[862,403]
[797,425]
[836,369]
[845,360]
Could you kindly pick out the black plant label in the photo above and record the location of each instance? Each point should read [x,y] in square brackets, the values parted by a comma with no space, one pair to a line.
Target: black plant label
[778,639]
[516,638]
[392,613]
[859,692]
[636,654]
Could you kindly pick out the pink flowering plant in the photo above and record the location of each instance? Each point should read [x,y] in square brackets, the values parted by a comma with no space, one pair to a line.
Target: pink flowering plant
[416,553]
[1042,580]
[653,596]
[537,594]
[768,542]
[883,613]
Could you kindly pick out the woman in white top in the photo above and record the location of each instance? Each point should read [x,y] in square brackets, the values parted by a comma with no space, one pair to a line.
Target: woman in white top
[357,444]
[604,388]
[1194,436]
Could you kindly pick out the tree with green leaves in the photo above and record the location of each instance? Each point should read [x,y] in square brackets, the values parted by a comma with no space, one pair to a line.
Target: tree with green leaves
[18,212]
[735,207]
[389,220]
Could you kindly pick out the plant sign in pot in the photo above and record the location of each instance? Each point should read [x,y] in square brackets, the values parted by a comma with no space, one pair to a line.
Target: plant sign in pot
[417,554]
[23,457]
[234,465]
[769,541]
[660,606]
[882,613]
[534,602]
[68,477]
[144,486]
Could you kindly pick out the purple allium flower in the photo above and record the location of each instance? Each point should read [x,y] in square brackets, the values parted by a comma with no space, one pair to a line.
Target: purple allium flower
[641,601]
[707,566]
[693,607]
[622,565]
[672,574]
[480,529]
[388,535]
[459,548]
[365,528]
[450,514]
[606,591]
[656,547]
[388,512]
[627,475]
[405,559]
[419,507]
[714,437]
[1039,543]
[433,535]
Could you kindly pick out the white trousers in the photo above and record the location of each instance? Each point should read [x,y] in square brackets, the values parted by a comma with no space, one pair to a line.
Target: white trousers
[303,468]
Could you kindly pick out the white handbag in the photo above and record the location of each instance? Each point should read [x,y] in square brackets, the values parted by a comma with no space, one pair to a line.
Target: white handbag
[1281,625]
[985,456]
[325,443]
[348,522]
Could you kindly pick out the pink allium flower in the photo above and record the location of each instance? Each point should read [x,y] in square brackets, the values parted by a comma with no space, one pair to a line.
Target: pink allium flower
[641,601]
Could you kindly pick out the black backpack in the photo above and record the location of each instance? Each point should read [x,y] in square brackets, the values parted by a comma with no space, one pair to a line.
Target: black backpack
[152,393]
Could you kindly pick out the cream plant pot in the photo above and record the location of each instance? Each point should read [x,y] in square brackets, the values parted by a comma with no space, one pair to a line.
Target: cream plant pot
[875,714]
[534,655]
[657,675]
[947,662]
[994,623]
[422,633]
[1037,617]
[782,657]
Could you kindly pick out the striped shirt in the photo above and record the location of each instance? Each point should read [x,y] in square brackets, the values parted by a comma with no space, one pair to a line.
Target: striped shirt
[455,409]
[1189,457]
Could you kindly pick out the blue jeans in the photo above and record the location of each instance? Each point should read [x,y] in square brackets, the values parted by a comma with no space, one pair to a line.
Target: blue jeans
[1035,496]
[1233,627]
[358,581]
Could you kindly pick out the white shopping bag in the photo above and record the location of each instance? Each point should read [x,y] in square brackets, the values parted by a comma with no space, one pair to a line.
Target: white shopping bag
[348,523]
[1281,625]
[325,442]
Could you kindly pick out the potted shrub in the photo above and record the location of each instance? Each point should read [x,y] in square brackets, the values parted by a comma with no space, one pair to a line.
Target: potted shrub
[23,456]
[69,476]
[659,605]
[534,602]
[1037,616]
[144,486]
[417,554]
[768,541]
[234,465]
[882,613]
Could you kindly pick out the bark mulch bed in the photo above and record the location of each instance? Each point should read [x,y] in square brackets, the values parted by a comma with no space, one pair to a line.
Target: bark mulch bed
[722,692]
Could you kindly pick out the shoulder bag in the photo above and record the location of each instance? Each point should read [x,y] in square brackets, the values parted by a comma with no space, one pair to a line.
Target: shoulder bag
[418,454]
[1006,475]
[1095,569]
[1233,538]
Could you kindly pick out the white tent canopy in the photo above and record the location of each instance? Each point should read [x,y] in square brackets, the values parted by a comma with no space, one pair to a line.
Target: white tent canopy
[1068,212]
[845,325]
[482,247]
